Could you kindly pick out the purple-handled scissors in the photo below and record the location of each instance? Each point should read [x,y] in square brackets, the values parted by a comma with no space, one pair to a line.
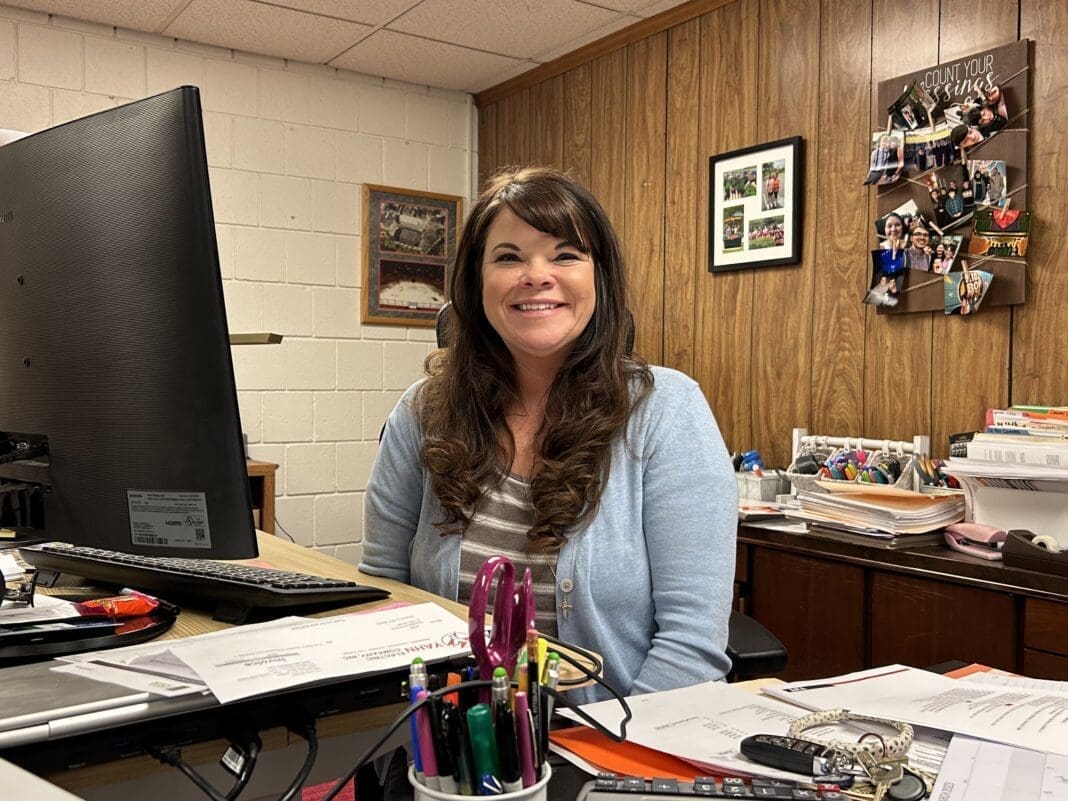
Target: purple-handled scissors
[513,614]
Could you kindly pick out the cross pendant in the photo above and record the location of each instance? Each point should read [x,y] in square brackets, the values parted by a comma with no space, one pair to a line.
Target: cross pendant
[566,606]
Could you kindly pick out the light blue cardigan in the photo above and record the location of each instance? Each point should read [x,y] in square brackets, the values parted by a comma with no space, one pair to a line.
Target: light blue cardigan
[653,571]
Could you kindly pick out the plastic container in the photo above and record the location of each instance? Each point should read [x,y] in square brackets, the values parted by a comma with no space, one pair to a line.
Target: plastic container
[536,792]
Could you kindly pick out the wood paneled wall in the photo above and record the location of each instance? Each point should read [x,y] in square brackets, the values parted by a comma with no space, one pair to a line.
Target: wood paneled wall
[775,348]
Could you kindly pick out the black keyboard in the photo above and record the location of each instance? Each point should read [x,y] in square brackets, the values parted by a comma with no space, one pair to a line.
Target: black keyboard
[610,787]
[234,590]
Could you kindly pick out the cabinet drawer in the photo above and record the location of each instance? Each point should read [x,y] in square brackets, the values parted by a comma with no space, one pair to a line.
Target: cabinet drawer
[1040,665]
[1046,626]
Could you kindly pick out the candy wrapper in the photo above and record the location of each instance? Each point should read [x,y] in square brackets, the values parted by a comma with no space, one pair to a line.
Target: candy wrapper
[129,604]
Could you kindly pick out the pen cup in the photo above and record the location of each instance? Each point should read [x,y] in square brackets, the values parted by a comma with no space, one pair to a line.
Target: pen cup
[536,792]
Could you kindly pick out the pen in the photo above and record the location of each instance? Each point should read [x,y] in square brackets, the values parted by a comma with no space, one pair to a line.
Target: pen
[442,756]
[483,746]
[442,712]
[533,688]
[451,680]
[501,688]
[426,744]
[456,744]
[416,681]
[526,747]
[507,750]
[552,678]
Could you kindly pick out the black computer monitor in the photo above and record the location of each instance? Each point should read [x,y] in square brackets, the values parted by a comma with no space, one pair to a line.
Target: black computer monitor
[114,349]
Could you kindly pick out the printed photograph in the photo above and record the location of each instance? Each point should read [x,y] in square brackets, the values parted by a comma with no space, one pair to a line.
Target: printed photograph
[410,228]
[929,149]
[887,159]
[913,109]
[964,291]
[411,286]
[766,232]
[740,184]
[989,181]
[1000,232]
[946,250]
[887,278]
[772,173]
[977,118]
[894,226]
[733,228]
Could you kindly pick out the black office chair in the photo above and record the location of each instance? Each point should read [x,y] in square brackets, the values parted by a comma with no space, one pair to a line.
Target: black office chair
[753,650]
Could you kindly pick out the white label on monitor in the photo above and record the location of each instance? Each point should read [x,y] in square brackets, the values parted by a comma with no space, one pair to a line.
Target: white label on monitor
[169,519]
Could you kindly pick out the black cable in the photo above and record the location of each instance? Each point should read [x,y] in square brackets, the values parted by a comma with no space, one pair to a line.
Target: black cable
[248,764]
[278,525]
[309,733]
[597,669]
[173,756]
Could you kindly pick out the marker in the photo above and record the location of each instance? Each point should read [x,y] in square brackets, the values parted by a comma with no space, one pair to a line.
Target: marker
[483,746]
[490,785]
[526,747]
[448,767]
[456,743]
[507,750]
[426,744]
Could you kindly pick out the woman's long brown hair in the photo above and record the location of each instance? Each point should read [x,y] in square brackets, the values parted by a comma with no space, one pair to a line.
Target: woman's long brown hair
[471,384]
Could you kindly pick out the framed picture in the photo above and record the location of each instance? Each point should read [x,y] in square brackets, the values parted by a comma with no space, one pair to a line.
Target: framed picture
[754,206]
[409,243]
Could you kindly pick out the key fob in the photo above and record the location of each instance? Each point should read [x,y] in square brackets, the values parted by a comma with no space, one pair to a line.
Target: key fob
[785,753]
[909,787]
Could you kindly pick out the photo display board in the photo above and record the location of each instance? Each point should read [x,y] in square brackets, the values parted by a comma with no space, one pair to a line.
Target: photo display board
[953,158]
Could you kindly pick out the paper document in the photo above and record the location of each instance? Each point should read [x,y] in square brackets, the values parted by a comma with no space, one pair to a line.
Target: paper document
[254,662]
[976,770]
[10,568]
[1008,680]
[45,609]
[702,724]
[1030,718]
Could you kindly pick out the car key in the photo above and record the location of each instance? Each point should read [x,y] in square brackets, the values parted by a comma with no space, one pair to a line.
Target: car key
[788,753]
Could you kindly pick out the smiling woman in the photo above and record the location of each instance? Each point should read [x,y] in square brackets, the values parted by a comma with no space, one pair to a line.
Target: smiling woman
[539,436]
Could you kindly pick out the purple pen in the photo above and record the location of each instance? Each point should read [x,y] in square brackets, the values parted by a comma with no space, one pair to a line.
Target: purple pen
[526,744]
[426,744]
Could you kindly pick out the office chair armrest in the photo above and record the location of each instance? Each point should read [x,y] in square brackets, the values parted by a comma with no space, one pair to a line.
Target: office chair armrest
[753,650]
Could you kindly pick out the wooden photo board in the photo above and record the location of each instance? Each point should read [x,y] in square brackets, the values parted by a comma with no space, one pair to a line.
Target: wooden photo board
[952,83]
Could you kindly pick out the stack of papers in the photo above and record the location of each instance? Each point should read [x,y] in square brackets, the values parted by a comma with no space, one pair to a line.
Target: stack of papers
[251,660]
[1014,713]
[878,510]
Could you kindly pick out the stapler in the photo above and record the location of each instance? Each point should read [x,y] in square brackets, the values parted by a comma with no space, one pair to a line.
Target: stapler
[976,539]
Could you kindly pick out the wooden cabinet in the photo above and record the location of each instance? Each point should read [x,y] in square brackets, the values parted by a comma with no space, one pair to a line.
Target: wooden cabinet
[839,607]
[261,488]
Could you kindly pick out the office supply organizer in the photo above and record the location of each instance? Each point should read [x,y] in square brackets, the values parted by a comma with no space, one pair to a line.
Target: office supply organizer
[826,448]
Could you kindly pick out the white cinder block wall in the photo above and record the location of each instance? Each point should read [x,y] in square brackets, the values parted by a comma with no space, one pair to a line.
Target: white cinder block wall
[289,147]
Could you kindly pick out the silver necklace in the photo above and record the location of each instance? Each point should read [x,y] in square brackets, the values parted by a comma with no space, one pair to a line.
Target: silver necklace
[566,586]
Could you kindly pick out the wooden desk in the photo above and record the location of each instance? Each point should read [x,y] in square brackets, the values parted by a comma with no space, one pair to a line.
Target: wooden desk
[839,607]
[375,712]
[261,487]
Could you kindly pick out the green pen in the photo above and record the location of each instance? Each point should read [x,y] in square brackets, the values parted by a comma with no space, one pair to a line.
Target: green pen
[483,744]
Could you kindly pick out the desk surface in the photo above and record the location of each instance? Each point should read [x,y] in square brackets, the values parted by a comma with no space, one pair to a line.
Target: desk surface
[371,711]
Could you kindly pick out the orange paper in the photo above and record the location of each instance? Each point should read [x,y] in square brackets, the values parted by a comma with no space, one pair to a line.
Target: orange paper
[623,759]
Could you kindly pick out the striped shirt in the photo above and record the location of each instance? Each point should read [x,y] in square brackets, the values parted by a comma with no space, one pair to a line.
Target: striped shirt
[500,527]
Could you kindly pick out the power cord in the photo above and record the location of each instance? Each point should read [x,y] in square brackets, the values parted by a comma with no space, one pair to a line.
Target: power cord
[249,750]
[308,732]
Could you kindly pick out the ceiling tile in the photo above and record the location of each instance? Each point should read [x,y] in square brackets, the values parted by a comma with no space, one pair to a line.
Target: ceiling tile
[369,12]
[421,61]
[272,31]
[145,15]
[590,36]
[514,28]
